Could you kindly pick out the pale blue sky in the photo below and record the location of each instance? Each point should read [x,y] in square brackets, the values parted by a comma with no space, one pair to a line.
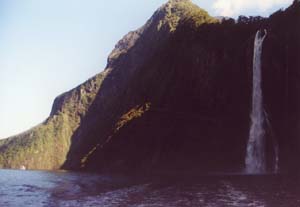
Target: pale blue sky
[50,46]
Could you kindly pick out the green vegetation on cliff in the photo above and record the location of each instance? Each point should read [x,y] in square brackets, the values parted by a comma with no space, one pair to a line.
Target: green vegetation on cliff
[179,11]
[46,145]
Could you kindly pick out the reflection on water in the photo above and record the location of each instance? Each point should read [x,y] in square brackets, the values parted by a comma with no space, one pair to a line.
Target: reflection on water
[35,188]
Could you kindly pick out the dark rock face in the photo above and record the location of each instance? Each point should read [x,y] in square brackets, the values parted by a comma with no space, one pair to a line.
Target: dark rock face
[282,83]
[176,95]
[193,86]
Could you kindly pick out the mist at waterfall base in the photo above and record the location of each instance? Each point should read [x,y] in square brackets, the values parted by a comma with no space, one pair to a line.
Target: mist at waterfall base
[62,189]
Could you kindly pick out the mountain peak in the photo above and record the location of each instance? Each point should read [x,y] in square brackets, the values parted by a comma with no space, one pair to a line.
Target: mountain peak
[176,11]
[166,18]
[179,1]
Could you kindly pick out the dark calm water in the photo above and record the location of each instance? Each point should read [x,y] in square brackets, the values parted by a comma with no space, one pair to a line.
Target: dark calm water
[36,188]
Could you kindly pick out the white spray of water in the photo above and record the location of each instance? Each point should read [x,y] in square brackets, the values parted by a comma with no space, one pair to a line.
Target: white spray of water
[256,158]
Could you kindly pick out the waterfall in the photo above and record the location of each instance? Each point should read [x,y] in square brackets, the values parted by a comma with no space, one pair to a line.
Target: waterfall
[256,158]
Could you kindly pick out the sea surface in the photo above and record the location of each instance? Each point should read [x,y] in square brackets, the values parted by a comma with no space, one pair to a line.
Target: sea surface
[55,189]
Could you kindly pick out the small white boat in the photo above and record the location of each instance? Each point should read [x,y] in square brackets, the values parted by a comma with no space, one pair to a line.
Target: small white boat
[22,167]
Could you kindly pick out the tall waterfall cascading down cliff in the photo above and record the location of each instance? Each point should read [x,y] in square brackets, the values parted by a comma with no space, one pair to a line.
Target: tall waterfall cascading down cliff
[255,157]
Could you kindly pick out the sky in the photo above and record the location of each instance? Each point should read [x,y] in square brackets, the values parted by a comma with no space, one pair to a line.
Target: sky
[48,47]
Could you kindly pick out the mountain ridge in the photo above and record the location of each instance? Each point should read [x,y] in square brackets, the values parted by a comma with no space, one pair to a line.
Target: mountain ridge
[72,104]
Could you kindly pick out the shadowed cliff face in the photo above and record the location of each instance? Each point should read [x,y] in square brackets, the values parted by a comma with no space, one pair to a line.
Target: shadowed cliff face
[176,95]
[130,84]
[282,83]
[195,103]
[182,98]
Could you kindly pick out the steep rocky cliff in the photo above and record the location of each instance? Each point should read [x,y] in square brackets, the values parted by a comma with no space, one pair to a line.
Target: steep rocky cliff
[184,104]
[176,95]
